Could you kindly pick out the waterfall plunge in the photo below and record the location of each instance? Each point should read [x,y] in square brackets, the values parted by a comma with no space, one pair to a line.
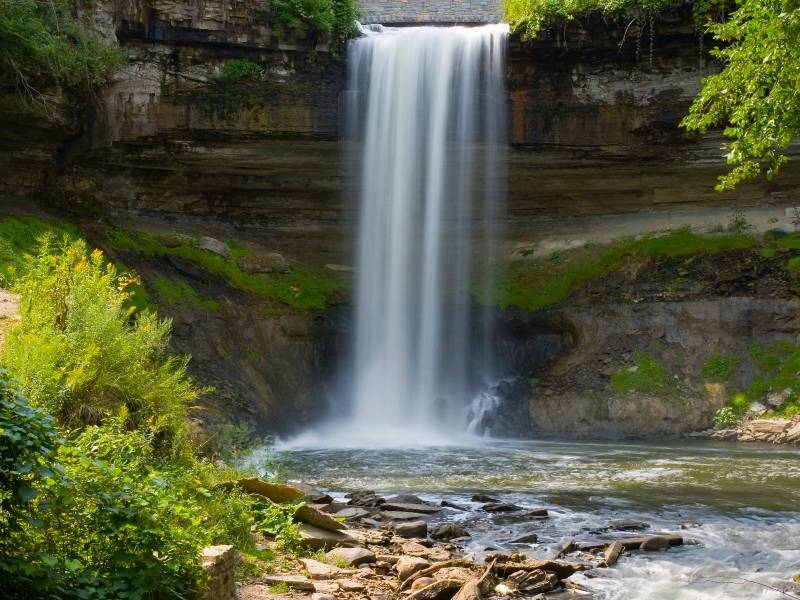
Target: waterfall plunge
[427,105]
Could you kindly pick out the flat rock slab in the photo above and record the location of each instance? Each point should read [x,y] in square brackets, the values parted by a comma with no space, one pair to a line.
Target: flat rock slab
[317,518]
[273,491]
[321,570]
[425,509]
[316,537]
[412,529]
[350,585]
[296,582]
[351,556]
[352,512]
[394,515]
[534,514]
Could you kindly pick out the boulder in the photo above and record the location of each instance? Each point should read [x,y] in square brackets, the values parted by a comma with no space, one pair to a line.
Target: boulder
[408,565]
[264,262]
[312,494]
[412,529]
[653,543]
[351,556]
[566,545]
[295,582]
[317,538]
[422,582]
[272,491]
[214,245]
[320,596]
[449,531]
[764,430]
[530,538]
[398,515]
[535,514]
[350,585]
[365,498]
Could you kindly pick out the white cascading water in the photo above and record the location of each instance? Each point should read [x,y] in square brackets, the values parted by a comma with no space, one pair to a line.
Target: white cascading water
[427,108]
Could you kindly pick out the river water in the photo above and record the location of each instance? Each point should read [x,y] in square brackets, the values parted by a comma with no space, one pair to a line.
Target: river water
[740,503]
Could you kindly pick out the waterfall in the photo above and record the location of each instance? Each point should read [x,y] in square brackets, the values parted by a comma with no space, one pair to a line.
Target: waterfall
[426,108]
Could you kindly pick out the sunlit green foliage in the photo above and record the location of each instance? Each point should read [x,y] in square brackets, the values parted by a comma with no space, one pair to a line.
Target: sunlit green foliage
[79,353]
[534,284]
[646,376]
[334,17]
[240,69]
[44,40]
[777,369]
[179,292]
[303,287]
[755,97]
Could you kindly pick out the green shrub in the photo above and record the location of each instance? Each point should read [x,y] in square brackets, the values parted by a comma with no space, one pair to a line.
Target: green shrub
[646,376]
[240,69]
[336,17]
[43,40]
[19,238]
[277,520]
[794,263]
[726,417]
[719,367]
[81,355]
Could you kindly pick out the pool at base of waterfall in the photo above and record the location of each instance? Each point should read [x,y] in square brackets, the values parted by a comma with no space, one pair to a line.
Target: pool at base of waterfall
[737,506]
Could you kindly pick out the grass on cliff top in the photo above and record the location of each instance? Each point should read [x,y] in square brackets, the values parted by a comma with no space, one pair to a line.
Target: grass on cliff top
[537,283]
[304,287]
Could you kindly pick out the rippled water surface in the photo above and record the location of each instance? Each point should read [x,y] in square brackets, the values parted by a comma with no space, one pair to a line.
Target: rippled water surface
[741,503]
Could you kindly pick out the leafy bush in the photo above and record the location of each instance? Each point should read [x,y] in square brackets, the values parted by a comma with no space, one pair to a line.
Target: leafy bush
[277,520]
[335,17]
[647,376]
[80,354]
[44,40]
[726,417]
[719,367]
[240,69]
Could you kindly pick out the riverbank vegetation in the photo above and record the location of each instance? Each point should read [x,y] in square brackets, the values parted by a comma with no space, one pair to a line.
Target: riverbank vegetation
[48,42]
[102,494]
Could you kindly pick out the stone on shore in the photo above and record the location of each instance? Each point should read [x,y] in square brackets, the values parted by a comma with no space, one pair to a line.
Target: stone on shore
[351,556]
[449,531]
[408,565]
[425,509]
[317,518]
[421,583]
[393,515]
[272,491]
[412,529]
[612,553]
[321,570]
[321,596]
[316,537]
[351,513]
[530,538]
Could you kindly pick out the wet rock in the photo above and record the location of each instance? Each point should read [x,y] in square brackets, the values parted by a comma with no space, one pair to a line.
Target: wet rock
[351,556]
[295,582]
[612,553]
[425,509]
[483,498]
[534,514]
[214,245]
[500,507]
[406,499]
[412,529]
[408,565]
[654,543]
[533,582]
[561,569]
[365,498]
[422,582]
[398,515]
[352,513]
[627,525]
[449,531]
[316,537]
[264,262]
[633,543]
[566,545]
[321,570]
[530,538]
[453,505]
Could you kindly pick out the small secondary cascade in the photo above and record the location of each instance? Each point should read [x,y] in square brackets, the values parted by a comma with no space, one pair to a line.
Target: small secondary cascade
[427,106]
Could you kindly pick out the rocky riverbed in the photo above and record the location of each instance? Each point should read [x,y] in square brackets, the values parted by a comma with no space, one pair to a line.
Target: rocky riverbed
[404,546]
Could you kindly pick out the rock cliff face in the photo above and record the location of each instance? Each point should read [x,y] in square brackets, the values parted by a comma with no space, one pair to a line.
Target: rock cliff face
[593,130]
